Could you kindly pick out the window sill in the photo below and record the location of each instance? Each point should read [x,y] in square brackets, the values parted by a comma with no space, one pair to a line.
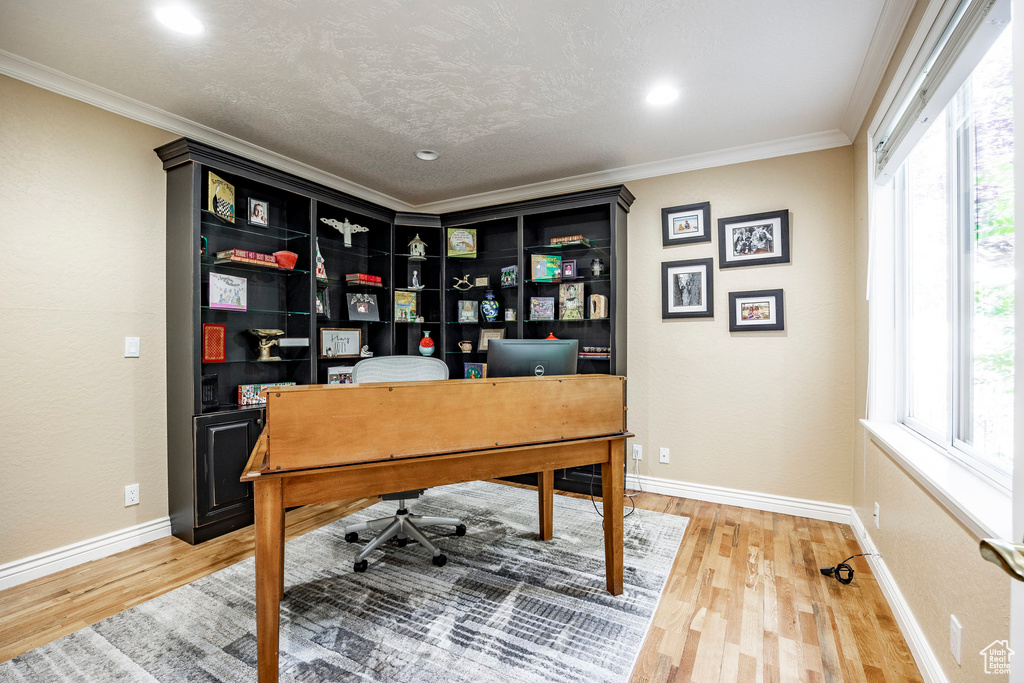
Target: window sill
[984,507]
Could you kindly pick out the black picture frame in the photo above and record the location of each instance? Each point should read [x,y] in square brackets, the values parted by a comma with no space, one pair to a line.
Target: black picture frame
[749,248]
[672,233]
[776,319]
[362,307]
[674,303]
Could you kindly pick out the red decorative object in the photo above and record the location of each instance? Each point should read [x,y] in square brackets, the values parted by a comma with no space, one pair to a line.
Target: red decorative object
[551,335]
[426,344]
[286,259]
[214,343]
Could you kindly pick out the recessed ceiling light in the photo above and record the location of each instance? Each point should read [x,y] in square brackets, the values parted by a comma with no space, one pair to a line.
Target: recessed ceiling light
[177,18]
[660,95]
[427,154]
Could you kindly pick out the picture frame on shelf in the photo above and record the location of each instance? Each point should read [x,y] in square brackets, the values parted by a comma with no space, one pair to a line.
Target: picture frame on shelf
[405,306]
[686,224]
[569,269]
[570,301]
[338,342]
[542,308]
[323,302]
[757,311]
[482,281]
[227,292]
[462,242]
[475,370]
[339,374]
[488,334]
[362,306]
[259,212]
[221,198]
[469,311]
[214,343]
[687,289]
[756,239]
[510,276]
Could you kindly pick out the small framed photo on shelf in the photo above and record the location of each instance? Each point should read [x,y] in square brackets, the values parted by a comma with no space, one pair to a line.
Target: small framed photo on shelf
[569,269]
[214,343]
[756,311]
[510,276]
[687,289]
[323,302]
[475,370]
[487,335]
[221,198]
[340,374]
[757,239]
[570,301]
[362,307]
[686,224]
[259,212]
[227,292]
[542,308]
[469,311]
[340,343]
[481,281]
[462,242]
[510,315]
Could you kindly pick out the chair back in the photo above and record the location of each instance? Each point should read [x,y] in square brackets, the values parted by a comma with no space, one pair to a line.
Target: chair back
[399,369]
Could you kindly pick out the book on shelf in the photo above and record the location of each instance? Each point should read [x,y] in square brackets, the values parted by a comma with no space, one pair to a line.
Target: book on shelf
[569,240]
[544,268]
[363,279]
[244,256]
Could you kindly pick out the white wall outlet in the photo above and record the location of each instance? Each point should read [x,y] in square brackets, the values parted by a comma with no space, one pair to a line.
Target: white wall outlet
[131,495]
[131,347]
[638,452]
[663,455]
[875,515]
[956,633]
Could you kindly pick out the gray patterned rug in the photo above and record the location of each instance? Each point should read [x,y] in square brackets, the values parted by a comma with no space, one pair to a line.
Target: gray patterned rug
[506,607]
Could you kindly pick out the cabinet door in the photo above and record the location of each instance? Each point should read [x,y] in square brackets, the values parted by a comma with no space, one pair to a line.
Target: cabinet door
[223,445]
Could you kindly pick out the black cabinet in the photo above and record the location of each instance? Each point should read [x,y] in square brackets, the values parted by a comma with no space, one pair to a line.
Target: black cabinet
[223,445]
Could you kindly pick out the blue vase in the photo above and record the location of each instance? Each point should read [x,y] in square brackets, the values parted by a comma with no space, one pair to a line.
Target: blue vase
[489,307]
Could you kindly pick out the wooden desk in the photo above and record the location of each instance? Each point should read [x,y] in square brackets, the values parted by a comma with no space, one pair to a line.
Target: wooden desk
[548,406]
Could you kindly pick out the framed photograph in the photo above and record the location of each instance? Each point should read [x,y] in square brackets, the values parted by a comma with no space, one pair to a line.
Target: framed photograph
[756,311]
[757,239]
[221,198]
[686,224]
[687,289]
[510,276]
[570,301]
[362,307]
[569,269]
[227,291]
[323,302]
[487,335]
[469,311]
[340,374]
[462,242]
[542,308]
[340,343]
[475,370]
[214,343]
[482,281]
[259,212]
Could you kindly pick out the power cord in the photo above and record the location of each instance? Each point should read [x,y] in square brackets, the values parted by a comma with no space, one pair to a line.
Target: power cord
[842,571]
[593,473]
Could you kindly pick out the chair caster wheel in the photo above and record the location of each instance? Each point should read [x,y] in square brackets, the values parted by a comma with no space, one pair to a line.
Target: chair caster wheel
[460,530]
[361,566]
[351,537]
[439,560]
[402,542]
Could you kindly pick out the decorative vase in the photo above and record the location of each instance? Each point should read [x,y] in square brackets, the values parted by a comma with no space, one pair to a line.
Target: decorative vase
[489,307]
[427,344]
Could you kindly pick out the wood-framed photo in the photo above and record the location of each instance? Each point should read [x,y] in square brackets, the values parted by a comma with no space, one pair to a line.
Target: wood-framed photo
[487,335]
[756,311]
[259,212]
[686,224]
[336,342]
[687,289]
[757,239]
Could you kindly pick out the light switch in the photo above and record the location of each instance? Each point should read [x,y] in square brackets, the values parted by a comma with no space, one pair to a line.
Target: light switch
[131,347]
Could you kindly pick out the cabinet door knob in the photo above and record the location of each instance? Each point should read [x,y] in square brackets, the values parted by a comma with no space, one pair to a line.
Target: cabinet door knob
[259,421]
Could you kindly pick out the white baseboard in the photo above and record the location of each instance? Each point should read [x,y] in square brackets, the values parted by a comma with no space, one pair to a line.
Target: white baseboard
[43,564]
[798,507]
[927,663]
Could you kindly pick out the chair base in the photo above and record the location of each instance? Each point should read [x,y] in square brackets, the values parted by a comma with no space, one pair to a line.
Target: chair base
[402,525]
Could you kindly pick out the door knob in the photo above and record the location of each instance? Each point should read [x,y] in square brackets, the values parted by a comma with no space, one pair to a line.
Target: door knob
[1009,556]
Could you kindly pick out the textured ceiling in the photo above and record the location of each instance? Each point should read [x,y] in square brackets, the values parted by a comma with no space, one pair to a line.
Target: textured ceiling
[509,92]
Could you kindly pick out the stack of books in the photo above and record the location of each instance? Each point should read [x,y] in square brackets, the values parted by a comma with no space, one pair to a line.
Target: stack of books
[596,352]
[251,257]
[363,279]
[569,239]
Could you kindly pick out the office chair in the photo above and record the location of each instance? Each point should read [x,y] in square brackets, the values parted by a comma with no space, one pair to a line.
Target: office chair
[401,524]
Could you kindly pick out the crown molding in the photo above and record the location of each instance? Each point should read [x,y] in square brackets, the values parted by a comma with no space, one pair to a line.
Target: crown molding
[616,176]
[891,23]
[64,84]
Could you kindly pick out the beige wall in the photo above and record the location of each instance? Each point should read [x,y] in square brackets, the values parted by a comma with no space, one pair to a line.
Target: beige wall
[82,208]
[764,411]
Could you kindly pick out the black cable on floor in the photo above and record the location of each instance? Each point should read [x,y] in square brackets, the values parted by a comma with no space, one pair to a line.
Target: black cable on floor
[842,571]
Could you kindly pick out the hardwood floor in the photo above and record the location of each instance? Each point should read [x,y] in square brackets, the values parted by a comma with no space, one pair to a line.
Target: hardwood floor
[744,602]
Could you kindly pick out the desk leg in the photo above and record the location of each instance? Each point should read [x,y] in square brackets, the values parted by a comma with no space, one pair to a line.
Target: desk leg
[611,498]
[546,493]
[269,557]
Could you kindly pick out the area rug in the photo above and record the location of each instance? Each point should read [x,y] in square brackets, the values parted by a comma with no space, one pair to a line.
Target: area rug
[505,608]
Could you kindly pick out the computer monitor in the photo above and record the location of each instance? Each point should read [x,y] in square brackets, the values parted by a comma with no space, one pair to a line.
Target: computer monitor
[531,357]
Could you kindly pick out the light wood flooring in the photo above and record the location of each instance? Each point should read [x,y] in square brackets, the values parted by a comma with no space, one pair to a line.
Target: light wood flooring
[745,601]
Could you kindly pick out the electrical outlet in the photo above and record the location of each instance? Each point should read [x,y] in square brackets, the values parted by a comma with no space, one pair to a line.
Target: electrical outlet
[131,495]
[876,514]
[956,633]
[638,452]
[131,347]
[663,455]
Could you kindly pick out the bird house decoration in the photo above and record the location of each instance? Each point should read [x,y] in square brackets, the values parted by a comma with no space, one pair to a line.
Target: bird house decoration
[417,249]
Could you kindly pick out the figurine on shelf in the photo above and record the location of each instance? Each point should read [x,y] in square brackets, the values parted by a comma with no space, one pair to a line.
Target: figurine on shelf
[266,342]
[365,352]
[463,284]
[345,228]
[417,249]
[597,267]
[416,284]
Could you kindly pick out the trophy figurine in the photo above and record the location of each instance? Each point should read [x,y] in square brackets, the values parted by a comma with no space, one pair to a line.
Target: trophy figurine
[266,341]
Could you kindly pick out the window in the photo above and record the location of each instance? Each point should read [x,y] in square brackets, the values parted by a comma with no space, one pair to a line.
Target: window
[954,217]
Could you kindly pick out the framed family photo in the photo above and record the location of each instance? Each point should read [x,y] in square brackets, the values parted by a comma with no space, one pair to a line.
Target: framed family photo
[757,239]
[259,212]
[686,224]
[687,289]
[756,311]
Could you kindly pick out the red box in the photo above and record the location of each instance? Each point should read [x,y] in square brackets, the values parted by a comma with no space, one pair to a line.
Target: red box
[214,343]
